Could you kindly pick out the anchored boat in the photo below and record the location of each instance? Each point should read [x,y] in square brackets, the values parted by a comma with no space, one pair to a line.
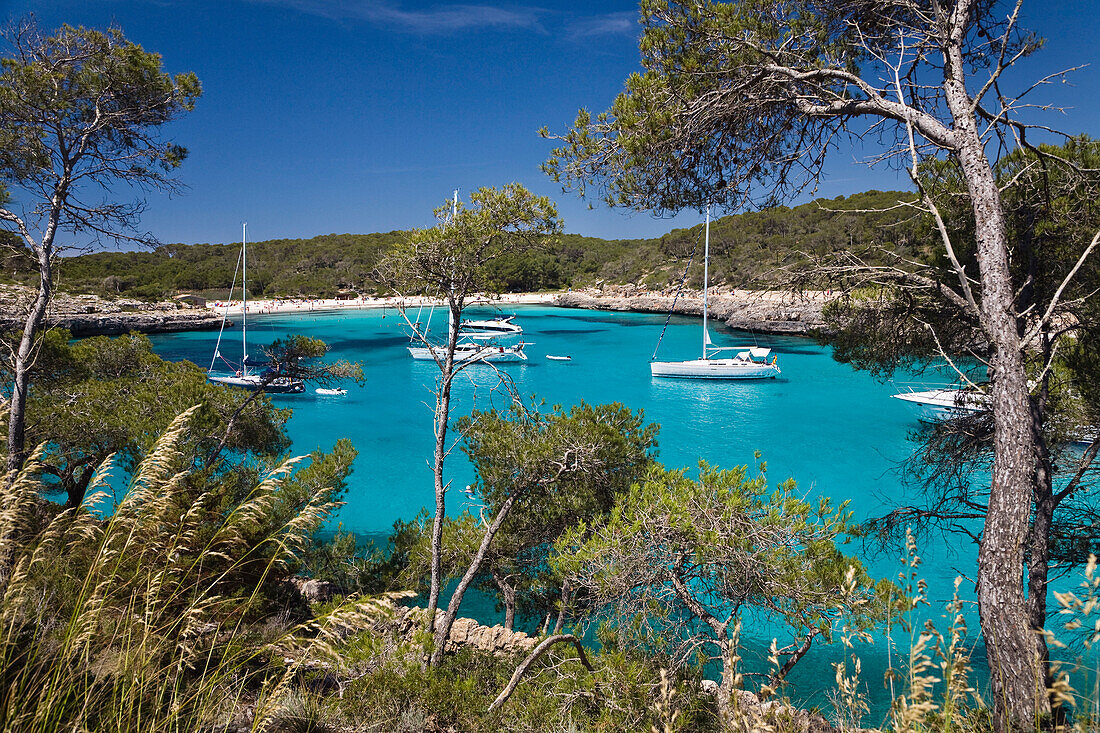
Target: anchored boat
[467,351]
[748,362]
[267,379]
[945,402]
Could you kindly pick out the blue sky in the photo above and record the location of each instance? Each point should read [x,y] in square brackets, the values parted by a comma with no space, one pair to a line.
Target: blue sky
[323,116]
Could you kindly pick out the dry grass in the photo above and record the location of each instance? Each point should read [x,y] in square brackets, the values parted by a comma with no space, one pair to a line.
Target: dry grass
[138,622]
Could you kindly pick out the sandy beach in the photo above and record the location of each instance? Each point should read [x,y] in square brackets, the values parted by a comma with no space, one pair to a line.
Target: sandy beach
[759,310]
[306,305]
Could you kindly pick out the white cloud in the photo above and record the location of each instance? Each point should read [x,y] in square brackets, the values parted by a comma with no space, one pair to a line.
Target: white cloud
[609,24]
[440,19]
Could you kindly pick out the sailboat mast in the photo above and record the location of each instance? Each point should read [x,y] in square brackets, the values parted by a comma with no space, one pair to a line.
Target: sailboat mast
[244,298]
[706,276]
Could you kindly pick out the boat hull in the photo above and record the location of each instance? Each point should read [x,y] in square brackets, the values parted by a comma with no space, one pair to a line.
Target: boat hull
[713,369]
[494,354]
[279,385]
[941,404]
[495,327]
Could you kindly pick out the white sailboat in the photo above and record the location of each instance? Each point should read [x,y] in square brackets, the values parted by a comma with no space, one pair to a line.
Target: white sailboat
[242,377]
[748,362]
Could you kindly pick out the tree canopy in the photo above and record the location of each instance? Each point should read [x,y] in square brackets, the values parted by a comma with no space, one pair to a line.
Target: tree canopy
[82,112]
[105,396]
[750,249]
[678,563]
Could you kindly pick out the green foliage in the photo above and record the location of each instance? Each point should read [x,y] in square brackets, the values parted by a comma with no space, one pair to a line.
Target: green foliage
[678,562]
[620,695]
[317,267]
[413,541]
[746,249]
[113,396]
[515,453]
[295,356]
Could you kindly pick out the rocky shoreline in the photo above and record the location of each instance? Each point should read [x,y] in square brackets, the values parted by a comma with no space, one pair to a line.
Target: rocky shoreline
[762,311]
[91,315]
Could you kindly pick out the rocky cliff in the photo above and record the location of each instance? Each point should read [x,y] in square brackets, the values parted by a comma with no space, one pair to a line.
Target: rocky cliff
[90,315]
[763,311]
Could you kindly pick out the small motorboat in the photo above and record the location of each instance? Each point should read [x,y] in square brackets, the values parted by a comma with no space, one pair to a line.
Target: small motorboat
[331,391]
[551,357]
[945,403]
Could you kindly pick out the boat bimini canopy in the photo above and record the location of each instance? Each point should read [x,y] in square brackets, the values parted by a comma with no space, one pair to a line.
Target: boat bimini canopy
[744,352]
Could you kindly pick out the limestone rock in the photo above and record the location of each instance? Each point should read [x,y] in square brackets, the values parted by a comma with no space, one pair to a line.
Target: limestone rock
[318,591]
[762,311]
[90,315]
[750,713]
[465,632]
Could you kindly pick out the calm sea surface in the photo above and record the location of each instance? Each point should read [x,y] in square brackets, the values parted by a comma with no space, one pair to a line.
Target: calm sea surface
[834,430]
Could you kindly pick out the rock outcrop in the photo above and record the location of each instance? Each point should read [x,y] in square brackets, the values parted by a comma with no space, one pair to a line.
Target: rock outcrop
[90,315]
[465,632]
[753,714]
[763,311]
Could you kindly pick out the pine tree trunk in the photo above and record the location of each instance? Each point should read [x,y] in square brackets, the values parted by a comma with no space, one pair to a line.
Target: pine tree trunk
[17,407]
[562,606]
[444,629]
[1016,680]
[1015,671]
[442,418]
[1038,552]
[727,687]
[509,594]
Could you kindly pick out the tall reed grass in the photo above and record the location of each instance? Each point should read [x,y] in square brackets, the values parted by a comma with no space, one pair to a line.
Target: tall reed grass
[140,621]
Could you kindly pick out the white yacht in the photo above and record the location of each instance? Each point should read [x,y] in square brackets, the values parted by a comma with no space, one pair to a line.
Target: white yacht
[747,362]
[466,351]
[945,402]
[490,328]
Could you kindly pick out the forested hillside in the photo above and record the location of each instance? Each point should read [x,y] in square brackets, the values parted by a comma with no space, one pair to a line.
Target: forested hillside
[747,249]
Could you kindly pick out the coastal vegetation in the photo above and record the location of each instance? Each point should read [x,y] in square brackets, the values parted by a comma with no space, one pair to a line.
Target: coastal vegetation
[743,101]
[752,249]
[81,112]
[1048,197]
[168,591]
[454,261]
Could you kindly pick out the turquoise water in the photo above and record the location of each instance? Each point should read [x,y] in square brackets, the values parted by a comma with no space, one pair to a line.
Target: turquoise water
[834,430]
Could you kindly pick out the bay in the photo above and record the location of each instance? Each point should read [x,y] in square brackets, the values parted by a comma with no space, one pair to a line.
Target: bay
[835,430]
